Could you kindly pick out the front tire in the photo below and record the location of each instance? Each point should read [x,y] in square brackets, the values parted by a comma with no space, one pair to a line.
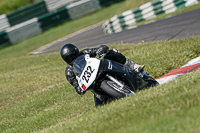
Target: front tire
[114,90]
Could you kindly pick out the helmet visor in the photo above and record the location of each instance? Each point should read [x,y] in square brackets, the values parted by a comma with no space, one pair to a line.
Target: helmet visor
[70,59]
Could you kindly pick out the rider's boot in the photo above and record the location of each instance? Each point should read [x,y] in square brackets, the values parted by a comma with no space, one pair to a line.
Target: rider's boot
[136,67]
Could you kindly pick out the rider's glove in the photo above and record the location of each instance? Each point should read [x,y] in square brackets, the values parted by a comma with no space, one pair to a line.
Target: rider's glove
[101,50]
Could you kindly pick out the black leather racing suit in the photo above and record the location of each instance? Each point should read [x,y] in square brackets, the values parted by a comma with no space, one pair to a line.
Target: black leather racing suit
[110,54]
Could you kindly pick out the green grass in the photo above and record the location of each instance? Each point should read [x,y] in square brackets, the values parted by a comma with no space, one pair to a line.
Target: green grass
[7,6]
[36,96]
[173,107]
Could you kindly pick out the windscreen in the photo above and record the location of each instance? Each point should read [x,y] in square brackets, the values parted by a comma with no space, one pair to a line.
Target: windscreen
[79,65]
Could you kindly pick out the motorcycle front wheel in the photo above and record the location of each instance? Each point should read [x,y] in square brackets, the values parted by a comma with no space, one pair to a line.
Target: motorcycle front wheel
[114,90]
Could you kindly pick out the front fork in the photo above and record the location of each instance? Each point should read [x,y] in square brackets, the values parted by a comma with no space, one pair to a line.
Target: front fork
[115,80]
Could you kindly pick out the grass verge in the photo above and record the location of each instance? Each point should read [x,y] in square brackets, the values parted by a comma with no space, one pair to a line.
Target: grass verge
[35,96]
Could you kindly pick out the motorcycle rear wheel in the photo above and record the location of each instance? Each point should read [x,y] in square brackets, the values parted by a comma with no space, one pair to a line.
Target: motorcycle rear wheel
[114,90]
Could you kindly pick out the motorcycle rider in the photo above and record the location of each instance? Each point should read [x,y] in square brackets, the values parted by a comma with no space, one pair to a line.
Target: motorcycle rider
[69,52]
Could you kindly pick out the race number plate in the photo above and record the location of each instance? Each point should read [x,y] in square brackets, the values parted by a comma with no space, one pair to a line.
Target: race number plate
[89,73]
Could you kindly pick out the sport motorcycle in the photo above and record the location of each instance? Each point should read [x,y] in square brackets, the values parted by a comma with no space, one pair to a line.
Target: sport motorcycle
[109,78]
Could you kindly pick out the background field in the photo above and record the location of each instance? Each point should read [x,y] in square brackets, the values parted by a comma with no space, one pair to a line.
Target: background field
[35,96]
[7,6]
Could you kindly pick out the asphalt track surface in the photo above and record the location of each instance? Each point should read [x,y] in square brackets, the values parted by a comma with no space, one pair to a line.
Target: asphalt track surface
[181,26]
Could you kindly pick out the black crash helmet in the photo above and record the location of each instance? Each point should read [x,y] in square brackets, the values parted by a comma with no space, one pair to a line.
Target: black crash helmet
[69,52]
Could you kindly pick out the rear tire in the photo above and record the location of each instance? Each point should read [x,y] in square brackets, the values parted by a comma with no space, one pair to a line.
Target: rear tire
[114,90]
